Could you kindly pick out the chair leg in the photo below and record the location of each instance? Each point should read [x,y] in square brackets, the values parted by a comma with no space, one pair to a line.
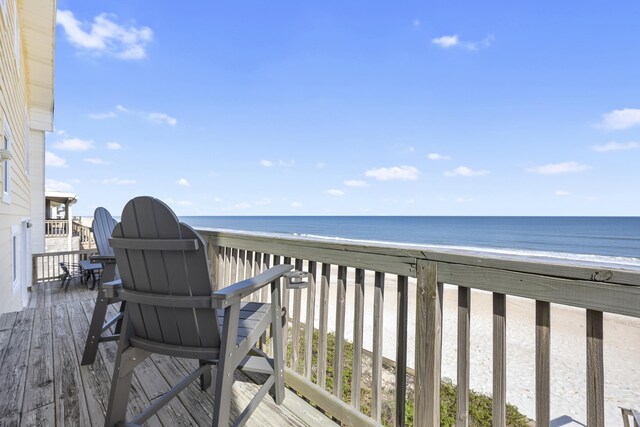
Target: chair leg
[225,367]
[95,329]
[123,305]
[120,386]
[205,379]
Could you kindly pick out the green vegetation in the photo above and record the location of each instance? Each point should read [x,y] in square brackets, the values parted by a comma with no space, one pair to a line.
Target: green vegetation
[479,404]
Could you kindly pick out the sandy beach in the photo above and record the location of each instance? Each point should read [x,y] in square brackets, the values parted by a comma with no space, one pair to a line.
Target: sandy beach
[568,344]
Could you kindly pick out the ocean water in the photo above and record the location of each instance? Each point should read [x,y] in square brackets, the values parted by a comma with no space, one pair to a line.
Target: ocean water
[608,240]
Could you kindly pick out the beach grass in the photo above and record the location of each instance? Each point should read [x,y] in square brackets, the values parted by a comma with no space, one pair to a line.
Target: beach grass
[480,404]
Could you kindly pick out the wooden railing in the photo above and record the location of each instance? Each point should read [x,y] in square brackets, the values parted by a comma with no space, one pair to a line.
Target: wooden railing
[56,227]
[85,234]
[391,276]
[46,266]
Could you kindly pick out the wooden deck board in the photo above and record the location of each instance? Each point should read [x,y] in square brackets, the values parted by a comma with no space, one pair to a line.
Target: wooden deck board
[44,385]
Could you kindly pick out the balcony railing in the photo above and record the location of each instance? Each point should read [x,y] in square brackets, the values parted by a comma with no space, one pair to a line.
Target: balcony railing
[400,289]
[56,227]
[46,266]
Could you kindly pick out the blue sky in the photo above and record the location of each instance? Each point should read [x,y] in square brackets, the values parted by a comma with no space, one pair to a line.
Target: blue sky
[349,108]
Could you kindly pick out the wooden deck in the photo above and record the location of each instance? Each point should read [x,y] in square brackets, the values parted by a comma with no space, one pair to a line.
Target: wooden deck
[42,382]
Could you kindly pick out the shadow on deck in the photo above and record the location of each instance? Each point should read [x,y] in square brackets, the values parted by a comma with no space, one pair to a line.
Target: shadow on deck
[42,382]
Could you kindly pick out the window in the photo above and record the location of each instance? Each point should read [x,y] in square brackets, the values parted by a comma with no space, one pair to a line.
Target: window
[6,165]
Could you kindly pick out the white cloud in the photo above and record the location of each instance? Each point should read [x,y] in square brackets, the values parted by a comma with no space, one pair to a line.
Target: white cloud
[53,185]
[266,163]
[465,171]
[286,163]
[96,161]
[356,183]
[217,199]
[118,181]
[263,202]
[437,156]
[155,117]
[184,203]
[320,165]
[463,199]
[446,41]
[620,119]
[74,144]
[183,182]
[334,192]
[243,205]
[296,204]
[403,173]
[105,36]
[53,160]
[113,146]
[416,23]
[616,146]
[162,118]
[561,193]
[559,168]
[102,116]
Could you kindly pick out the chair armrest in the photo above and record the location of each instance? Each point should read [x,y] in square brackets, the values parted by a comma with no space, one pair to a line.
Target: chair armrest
[296,279]
[111,288]
[241,289]
[107,259]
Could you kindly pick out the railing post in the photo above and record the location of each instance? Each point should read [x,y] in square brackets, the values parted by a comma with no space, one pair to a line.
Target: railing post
[428,344]
[543,381]
[595,369]
[464,355]
[499,359]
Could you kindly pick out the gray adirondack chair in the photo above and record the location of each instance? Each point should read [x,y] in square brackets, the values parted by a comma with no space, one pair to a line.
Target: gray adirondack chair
[102,226]
[171,310]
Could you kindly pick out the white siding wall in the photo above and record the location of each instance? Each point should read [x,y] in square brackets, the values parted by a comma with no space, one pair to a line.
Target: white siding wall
[13,110]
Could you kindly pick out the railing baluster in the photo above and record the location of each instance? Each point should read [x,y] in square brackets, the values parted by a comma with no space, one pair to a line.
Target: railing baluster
[240,267]
[464,323]
[401,348]
[358,326]
[595,369]
[285,306]
[248,272]
[233,274]
[543,335]
[295,327]
[499,360]
[310,324]
[338,362]
[378,331]
[428,350]
[322,329]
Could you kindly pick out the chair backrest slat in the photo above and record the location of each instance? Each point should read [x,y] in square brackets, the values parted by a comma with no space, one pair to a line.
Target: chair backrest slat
[164,272]
[102,227]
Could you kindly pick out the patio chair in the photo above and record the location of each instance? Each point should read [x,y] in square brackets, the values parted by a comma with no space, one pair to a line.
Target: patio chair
[172,311]
[70,272]
[102,226]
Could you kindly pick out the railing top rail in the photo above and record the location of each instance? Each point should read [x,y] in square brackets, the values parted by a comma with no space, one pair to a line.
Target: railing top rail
[49,254]
[401,258]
